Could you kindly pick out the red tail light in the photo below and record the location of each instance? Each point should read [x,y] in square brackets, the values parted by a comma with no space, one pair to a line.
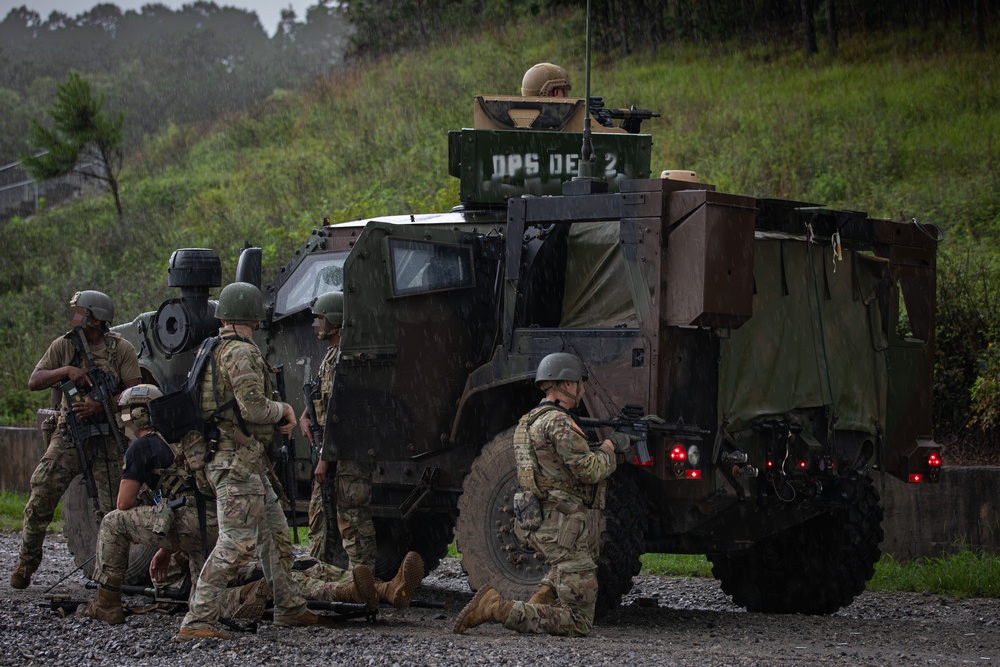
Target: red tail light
[693,474]
[678,453]
[916,478]
[934,460]
[635,461]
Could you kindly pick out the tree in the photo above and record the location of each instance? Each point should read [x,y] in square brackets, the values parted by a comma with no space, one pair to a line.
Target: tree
[80,130]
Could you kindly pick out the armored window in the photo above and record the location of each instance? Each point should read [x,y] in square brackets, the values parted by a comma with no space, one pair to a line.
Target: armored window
[317,274]
[419,266]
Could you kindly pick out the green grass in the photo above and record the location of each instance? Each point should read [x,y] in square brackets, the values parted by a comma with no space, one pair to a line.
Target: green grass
[962,574]
[12,512]
[676,565]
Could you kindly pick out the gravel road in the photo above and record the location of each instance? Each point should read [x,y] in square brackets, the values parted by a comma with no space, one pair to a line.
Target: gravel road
[664,621]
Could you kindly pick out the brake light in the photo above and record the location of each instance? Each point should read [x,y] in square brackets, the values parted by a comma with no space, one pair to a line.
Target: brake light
[635,461]
[934,460]
[693,474]
[916,478]
[802,465]
[678,453]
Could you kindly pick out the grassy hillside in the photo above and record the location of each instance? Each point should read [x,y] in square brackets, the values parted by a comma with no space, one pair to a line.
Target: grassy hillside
[891,126]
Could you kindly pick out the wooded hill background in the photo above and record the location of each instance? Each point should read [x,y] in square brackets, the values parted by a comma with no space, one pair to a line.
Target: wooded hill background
[345,112]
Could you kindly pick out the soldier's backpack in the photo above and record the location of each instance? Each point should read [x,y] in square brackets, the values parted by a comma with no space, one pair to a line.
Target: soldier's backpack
[176,414]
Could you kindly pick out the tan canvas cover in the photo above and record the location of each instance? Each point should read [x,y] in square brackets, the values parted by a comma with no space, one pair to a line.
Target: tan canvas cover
[821,344]
[597,292]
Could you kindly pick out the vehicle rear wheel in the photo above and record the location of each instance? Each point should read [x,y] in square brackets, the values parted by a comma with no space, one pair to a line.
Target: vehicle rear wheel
[81,529]
[492,554]
[816,567]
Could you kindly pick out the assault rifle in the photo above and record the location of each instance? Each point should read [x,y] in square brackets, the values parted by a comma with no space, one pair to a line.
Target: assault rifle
[284,456]
[632,423]
[104,390]
[631,118]
[79,431]
[311,390]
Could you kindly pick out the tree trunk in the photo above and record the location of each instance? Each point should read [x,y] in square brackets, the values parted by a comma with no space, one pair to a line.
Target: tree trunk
[831,27]
[809,27]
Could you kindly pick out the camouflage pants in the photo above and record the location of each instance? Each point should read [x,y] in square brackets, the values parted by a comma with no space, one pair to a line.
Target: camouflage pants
[120,529]
[58,467]
[354,515]
[249,516]
[317,523]
[570,546]
[318,582]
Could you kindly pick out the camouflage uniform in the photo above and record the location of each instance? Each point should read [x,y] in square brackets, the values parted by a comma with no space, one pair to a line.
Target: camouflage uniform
[317,517]
[156,525]
[247,506]
[353,484]
[570,478]
[60,464]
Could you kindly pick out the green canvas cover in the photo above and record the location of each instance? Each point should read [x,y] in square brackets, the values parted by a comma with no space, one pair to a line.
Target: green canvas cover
[819,344]
[597,291]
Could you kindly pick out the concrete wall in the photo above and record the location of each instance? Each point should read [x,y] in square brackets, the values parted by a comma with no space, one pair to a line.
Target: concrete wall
[921,520]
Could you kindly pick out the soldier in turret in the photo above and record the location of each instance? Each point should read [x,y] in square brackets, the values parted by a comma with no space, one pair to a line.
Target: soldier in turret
[556,466]
[545,80]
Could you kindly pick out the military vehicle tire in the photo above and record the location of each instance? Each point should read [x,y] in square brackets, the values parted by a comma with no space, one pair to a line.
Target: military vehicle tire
[816,567]
[492,553]
[80,530]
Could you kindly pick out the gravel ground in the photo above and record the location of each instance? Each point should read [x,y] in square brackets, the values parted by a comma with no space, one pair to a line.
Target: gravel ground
[664,621]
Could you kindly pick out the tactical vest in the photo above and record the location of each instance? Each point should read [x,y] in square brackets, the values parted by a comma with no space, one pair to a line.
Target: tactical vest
[213,394]
[527,463]
[177,480]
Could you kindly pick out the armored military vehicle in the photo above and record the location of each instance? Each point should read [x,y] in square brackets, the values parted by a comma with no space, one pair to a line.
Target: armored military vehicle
[786,347]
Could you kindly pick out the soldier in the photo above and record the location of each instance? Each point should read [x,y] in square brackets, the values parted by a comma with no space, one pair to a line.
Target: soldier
[234,394]
[545,80]
[173,524]
[556,465]
[68,358]
[352,479]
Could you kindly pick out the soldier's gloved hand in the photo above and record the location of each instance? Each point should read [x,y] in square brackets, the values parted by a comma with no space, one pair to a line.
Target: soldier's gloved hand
[654,419]
[621,441]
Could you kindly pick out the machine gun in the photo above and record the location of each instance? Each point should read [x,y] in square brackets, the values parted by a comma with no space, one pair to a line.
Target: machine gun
[311,390]
[631,118]
[79,431]
[632,423]
[283,448]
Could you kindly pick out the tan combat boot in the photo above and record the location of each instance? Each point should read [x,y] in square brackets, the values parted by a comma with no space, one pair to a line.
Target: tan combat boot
[20,577]
[107,606]
[487,605]
[187,634]
[253,599]
[362,590]
[545,595]
[399,591]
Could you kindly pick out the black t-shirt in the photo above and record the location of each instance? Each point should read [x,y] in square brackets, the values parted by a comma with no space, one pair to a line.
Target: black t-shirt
[144,456]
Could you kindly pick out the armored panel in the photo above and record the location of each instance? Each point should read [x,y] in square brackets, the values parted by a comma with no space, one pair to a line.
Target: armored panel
[708,259]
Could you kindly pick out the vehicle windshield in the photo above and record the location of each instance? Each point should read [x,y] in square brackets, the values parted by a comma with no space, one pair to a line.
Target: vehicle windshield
[317,274]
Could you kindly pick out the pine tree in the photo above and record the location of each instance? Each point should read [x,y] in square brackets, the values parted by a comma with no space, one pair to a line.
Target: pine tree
[80,130]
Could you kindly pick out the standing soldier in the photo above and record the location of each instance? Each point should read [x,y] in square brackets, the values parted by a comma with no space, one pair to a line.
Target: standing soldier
[234,393]
[557,466]
[89,345]
[353,480]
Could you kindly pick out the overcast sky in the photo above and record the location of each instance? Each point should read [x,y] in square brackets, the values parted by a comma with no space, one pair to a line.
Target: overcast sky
[268,11]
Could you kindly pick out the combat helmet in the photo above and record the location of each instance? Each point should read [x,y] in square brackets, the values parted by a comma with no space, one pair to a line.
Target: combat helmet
[134,403]
[240,302]
[542,79]
[558,367]
[97,304]
[331,306]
